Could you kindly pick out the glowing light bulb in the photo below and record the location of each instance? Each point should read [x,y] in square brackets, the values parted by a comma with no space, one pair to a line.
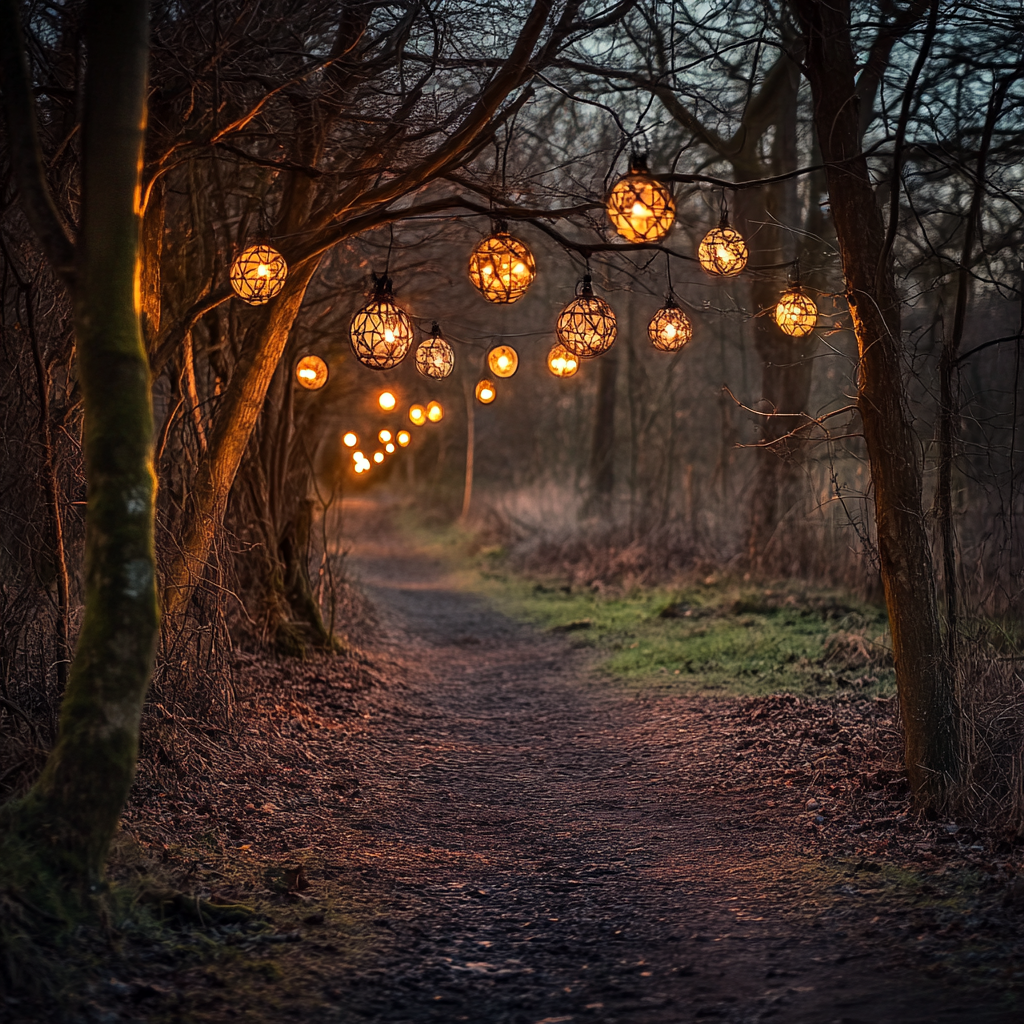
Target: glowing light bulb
[378,457]
[389,448]
[417,415]
[670,331]
[387,401]
[358,457]
[384,436]
[389,335]
[435,412]
[350,440]
[639,210]
[487,270]
[359,467]
[403,437]
[263,270]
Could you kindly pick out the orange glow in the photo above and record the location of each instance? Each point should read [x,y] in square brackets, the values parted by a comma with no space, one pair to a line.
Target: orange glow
[403,437]
[350,440]
[503,361]
[561,362]
[311,372]
[378,457]
[387,401]
[384,436]
[435,412]
[485,392]
[417,415]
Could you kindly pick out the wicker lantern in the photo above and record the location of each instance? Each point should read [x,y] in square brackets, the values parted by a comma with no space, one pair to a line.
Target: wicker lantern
[311,372]
[795,313]
[502,267]
[503,360]
[258,274]
[723,252]
[381,332]
[417,415]
[586,327]
[435,412]
[640,207]
[486,391]
[434,357]
[561,362]
[670,328]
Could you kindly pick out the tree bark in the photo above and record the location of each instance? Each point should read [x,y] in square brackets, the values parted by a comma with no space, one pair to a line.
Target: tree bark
[70,814]
[602,449]
[924,680]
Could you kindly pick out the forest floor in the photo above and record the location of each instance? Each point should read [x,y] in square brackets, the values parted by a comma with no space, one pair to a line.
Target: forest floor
[476,822]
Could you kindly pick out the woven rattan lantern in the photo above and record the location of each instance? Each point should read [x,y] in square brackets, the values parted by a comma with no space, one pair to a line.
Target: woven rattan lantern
[503,360]
[586,327]
[435,412]
[502,267]
[795,313]
[640,207]
[311,372]
[258,274]
[670,328]
[417,415]
[486,392]
[434,357]
[723,252]
[381,332]
[561,362]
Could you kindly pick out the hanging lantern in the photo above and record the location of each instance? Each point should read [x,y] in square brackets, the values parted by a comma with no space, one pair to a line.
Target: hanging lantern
[561,362]
[640,207]
[502,267]
[723,252]
[381,332]
[403,437]
[417,415]
[258,274]
[670,328]
[586,327]
[434,357]
[503,360]
[435,412]
[795,313]
[387,401]
[311,372]
[485,391]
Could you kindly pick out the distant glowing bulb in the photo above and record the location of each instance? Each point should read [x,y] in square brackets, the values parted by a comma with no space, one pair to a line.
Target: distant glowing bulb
[403,437]
[435,412]
[378,457]
[384,436]
[387,401]
[389,447]
[359,467]
[350,440]
[358,457]
[417,415]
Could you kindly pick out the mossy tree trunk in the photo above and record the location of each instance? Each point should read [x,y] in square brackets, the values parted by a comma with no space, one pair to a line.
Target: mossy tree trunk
[927,700]
[69,816]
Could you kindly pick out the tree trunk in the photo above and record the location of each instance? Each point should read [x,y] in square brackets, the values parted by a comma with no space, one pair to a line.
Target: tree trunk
[230,436]
[926,692]
[602,449]
[70,814]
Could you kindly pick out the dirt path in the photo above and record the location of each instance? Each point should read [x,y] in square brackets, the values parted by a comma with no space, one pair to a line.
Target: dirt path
[547,848]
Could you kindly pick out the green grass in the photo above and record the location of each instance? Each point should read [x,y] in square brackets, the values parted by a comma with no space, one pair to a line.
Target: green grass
[730,637]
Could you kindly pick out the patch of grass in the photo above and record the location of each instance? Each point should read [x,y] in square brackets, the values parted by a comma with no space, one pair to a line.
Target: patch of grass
[716,636]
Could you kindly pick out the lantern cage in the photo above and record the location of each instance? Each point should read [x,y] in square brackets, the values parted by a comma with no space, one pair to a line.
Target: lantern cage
[586,327]
[723,251]
[795,313]
[381,332]
[503,360]
[311,372]
[486,392]
[258,274]
[561,362]
[639,206]
[434,357]
[670,328]
[502,266]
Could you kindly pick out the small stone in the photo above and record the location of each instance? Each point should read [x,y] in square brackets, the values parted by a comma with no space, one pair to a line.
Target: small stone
[812,804]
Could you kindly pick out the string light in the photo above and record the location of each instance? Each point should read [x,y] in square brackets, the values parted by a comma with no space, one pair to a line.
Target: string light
[502,267]
[485,391]
[723,252]
[434,357]
[258,274]
[417,415]
[503,360]
[403,437]
[311,372]
[586,327]
[384,436]
[350,440]
[387,401]
[670,328]
[435,412]
[561,362]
